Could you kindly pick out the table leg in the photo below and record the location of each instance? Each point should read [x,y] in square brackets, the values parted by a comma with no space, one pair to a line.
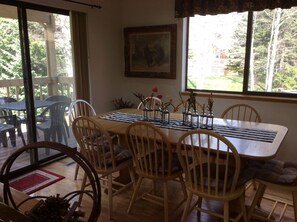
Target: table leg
[3,139]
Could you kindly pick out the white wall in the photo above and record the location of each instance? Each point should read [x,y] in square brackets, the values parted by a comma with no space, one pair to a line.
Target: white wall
[106,56]
[149,13]
[156,12]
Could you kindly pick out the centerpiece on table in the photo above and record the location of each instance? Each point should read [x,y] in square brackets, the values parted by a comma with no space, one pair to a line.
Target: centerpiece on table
[155,110]
[207,116]
[190,112]
[210,114]
[164,110]
[148,104]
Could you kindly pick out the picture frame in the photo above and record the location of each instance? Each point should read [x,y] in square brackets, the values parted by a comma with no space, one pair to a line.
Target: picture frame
[150,51]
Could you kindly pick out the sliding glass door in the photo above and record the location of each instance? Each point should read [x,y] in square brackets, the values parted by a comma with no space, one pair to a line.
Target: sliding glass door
[12,131]
[36,71]
[52,75]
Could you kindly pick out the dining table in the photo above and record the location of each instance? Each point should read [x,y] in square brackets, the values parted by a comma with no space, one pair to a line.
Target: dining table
[21,105]
[260,141]
[253,140]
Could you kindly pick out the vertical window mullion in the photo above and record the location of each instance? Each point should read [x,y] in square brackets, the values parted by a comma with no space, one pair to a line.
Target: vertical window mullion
[248,52]
[27,77]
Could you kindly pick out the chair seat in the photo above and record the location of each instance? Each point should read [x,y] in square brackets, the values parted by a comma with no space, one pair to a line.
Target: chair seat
[121,154]
[44,125]
[278,175]
[41,118]
[246,175]
[276,171]
[175,164]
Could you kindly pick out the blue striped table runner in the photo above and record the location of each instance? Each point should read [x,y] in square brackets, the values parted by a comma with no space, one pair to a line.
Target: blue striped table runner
[227,131]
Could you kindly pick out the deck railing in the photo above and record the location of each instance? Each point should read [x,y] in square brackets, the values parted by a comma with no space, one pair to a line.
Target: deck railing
[43,87]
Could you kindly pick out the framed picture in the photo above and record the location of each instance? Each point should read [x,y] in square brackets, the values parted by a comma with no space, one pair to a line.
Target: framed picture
[150,52]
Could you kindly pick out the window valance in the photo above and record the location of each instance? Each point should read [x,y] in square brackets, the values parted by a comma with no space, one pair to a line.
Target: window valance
[188,8]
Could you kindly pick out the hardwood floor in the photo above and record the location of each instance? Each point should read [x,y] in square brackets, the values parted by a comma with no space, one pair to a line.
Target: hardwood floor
[142,210]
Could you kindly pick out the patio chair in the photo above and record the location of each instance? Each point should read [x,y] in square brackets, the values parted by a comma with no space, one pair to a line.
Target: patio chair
[4,128]
[106,157]
[53,125]
[212,171]
[154,160]
[57,98]
[11,119]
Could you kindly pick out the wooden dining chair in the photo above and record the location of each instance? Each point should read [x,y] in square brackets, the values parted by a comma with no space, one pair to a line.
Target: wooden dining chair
[153,102]
[155,160]
[278,175]
[78,108]
[184,104]
[106,157]
[212,169]
[242,112]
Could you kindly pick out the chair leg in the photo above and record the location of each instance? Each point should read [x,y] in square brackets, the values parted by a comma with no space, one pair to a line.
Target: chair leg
[134,195]
[183,187]
[261,190]
[20,134]
[187,207]
[226,211]
[47,137]
[294,194]
[242,203]
[257,199]
[3,139]
[66,127]
[199,204]
[132,176]
[83,186]
[110,196]
[166,213]
[76,171]
[62,135]
[254,184]
[65,137]
[12,137]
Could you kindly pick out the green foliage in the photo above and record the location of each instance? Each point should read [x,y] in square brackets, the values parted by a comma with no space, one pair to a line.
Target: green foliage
[10,51]
[288,83]
[284,65]
[10,54]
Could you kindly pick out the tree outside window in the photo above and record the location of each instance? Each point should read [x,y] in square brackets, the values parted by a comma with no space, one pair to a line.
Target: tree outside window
[220,48]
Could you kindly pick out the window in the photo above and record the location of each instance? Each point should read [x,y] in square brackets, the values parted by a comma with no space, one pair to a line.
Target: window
[35,64]
[249,52]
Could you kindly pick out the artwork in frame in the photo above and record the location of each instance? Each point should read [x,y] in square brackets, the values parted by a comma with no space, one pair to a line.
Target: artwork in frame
[150,51]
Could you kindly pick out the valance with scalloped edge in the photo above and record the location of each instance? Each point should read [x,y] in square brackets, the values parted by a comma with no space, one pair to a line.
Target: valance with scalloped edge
[188,8]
